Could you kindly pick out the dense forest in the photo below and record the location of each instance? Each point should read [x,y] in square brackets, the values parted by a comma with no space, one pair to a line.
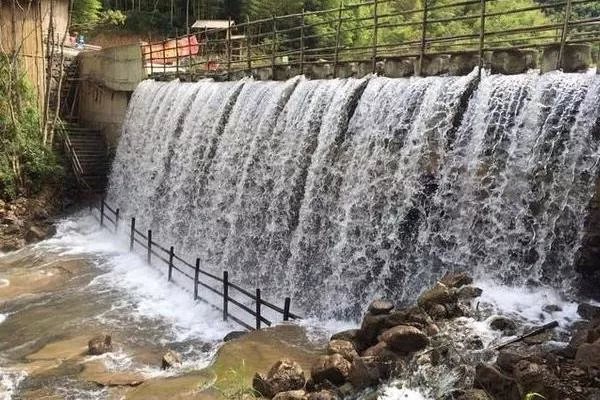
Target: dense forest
[168,16]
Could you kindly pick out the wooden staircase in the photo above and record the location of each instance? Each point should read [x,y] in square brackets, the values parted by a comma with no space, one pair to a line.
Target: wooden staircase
[87,152]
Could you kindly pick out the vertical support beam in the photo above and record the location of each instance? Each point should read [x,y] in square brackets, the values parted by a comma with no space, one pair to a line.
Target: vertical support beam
[565,32]
[225,295]
[258,304]
[375,34]
[164,56]
[228,44]
[302,42]
[286,309]
[482,35]
[132,234]
[273,46]
[171,256]
[151,57]
[101,212]
[337,41]
[248,45]
[117,214]
[149,256]
[196,277]
[177,51]
[419,70]
[207,49]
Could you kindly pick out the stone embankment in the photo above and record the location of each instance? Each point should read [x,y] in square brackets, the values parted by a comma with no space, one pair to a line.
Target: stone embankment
[430,345]
[27,219]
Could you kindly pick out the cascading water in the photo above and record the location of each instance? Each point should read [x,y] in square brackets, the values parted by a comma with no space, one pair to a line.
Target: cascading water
[339,191]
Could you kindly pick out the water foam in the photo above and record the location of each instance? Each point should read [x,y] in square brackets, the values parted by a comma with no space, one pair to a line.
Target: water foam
[9,382]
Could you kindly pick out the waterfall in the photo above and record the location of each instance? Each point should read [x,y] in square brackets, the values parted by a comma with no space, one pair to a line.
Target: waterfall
[339,191]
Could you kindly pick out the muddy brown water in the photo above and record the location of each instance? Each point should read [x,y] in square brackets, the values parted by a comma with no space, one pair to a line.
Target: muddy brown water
[53,300]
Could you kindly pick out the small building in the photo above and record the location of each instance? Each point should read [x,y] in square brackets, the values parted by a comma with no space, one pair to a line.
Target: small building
[219,30]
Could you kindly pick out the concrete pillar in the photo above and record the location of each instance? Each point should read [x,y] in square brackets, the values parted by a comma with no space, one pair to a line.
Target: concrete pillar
[399,67]
[434,65]
[463,63]
[513,61]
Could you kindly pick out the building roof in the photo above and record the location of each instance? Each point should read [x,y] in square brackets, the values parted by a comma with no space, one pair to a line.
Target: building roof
[212,24]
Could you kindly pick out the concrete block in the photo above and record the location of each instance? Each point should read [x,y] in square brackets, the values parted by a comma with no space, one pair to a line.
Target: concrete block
[434,65]
[576,58]
[463,63]
[399,67]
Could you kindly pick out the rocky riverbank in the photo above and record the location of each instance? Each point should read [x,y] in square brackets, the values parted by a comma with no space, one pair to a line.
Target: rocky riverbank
[435,344]
[28,219]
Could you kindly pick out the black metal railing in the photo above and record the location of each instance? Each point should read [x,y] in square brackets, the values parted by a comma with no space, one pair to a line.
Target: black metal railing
[250,302]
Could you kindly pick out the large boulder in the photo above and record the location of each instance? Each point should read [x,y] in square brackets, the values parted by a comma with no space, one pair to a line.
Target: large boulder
[342,347]
[438,294]
[364,373]
[350,335]
[379,307]
[371,327]
[469,292]
[35,234]
[405,339]
[588,311]
[283,376]
[291,395]
[99,345]
[171,359]
[494,382]
[588,358]
[333,368]
[506,325]
[322,395]
[456,279]
[537,378]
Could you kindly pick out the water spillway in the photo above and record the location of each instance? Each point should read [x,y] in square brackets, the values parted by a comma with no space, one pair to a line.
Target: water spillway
[338,191]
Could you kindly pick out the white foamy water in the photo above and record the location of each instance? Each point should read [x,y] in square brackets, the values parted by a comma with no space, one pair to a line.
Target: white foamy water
[9,382]
[2,318]
[399,393]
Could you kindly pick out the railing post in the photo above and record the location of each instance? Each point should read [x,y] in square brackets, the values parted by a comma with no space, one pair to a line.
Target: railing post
[151,57]
[132,235]
[563,37]
[248,45]
[228,43]
[482,36]
[273,46]
[149,258]
[171,256]
[196,277]
[337,41]
[101,212]
[302,43]
[258,303]
[117,220]
[225,295]
[286,309]
[419,70]
[375,34]
[177,52]
[207,49]
[164,57]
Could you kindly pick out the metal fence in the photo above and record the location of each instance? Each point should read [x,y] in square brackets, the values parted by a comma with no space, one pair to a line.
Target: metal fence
[249,302]
[368,32]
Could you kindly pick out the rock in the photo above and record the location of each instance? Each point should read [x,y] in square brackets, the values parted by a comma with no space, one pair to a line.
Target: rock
[379,307]
[350,335]
[12,219]
[333,368]
[537,378]
[35,234]
[588,311]
[363,374]
[472,394]
[437,311]
[371,327]
[100,345]
[405,339]
[322,395]
[261,385]
[498,385]
[551,308]
[13,244]
[539,338]
[234,335]
[456,279]
[171,359]
[438,294]
[285,376]
[588,358]
[506,325]
[346,390]
[291,395]
[344,348]
[469,292]
[41,214]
